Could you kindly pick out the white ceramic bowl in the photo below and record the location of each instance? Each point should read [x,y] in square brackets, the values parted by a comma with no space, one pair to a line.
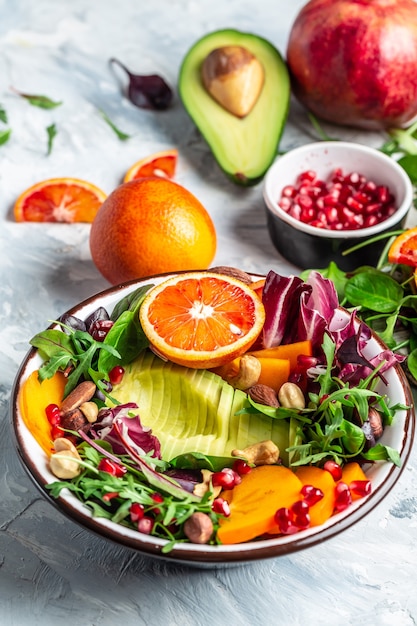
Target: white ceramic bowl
[307,246]
[383,475]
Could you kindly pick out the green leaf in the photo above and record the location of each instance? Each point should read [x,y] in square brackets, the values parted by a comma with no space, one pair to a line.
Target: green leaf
[353,438]
[43,102]
[374,290]
[121,135]
[128,339]
[409,164]
[197,460]
[382,453]
[131,302]
[3,115]
[51,132]
[5,136]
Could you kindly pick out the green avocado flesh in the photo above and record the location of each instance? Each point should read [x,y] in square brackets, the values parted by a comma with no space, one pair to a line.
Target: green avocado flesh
[192,410]
[245,147]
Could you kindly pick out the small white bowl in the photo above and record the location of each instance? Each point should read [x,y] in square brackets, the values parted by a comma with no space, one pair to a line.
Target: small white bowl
[307,246]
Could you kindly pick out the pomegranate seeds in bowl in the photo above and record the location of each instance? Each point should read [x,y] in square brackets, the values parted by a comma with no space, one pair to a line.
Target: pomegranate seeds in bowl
[342,202]
[323,199]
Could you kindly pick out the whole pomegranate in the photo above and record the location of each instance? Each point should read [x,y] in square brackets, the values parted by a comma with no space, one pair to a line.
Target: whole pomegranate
[354,62]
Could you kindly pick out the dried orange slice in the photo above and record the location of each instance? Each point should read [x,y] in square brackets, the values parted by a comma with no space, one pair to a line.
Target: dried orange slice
[158,164]
[404,248]
[59,200]
[202,319]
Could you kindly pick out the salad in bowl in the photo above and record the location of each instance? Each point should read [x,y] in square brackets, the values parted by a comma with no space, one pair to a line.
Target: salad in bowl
[213,417]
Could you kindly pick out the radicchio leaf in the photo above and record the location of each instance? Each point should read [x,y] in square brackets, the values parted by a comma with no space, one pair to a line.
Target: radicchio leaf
[139,437]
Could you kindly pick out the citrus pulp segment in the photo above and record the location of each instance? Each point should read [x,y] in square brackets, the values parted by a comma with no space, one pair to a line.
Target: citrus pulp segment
[158,164]
[64,200]
[202,319]
[404,248]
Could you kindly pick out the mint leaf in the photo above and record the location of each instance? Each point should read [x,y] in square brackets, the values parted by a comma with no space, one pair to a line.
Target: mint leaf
[5,136]
[52,132]
[3,115]
[121,135]
[43,102]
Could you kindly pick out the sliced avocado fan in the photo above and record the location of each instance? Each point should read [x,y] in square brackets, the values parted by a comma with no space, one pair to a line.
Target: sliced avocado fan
[244,147]
[192,410]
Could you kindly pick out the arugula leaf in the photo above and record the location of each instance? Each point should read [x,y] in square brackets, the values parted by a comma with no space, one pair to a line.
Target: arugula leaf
[121,135]
[43,102]
[51,132]
[5,136]
[3,115]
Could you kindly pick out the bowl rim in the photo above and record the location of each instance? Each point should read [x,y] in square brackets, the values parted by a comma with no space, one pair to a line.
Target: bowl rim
[192,554]
[362,233]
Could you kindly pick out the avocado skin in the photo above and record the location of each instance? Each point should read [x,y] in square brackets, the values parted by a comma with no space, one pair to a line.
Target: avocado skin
[243,148]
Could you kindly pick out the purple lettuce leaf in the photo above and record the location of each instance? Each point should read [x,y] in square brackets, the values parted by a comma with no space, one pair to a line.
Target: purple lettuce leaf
[138,436]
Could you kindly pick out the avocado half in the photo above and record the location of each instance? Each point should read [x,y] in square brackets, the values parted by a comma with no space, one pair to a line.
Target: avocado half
[245,147]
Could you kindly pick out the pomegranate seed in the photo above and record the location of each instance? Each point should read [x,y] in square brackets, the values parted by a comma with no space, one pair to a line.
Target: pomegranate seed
[57,432]
[310,200]
[309,176]
[284,520]
[110,496]
[116,374]
[137,511]
[111,467]
[53,414]
[221,507]
[225,480]
[100,328]
[302,521]
[334,469]
[145,525]
[241,467]
[343,497]
[300,507]
[361,487]
[289,191]
[311,494]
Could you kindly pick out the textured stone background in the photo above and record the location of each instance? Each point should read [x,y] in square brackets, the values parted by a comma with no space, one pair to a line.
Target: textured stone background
[52,571]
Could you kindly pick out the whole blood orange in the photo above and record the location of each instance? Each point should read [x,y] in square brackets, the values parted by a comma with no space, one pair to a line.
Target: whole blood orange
[404,248]
[201,319]
[150,226]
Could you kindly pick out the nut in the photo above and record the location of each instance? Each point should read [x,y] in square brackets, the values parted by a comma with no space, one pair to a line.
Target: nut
[63,443]
[64,462]
[261,453]
[290,396]
[234,272]
[202,488]
[90,411]
[74,420]
[248,374]
[375,421]
[82,393]
[198,528]
[262,394]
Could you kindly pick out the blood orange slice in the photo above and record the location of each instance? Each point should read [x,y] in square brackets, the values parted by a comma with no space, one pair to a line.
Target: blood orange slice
[202,319]
[404,248]
[159,164]
[59,200]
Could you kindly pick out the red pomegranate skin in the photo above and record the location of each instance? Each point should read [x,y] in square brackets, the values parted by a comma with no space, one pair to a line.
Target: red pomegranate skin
[354,62]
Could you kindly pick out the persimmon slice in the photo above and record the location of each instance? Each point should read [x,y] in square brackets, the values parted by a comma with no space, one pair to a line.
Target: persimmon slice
[59,200]
[158,164]
[201,319]
[404,248]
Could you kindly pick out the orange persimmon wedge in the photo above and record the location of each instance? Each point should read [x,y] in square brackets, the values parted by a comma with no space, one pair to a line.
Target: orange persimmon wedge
[274,372]
[34,398]
[254,502]
[321,479]
[350,472]
[290,351]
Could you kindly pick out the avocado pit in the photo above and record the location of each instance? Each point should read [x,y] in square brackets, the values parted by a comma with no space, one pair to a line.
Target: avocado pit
[234,77]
